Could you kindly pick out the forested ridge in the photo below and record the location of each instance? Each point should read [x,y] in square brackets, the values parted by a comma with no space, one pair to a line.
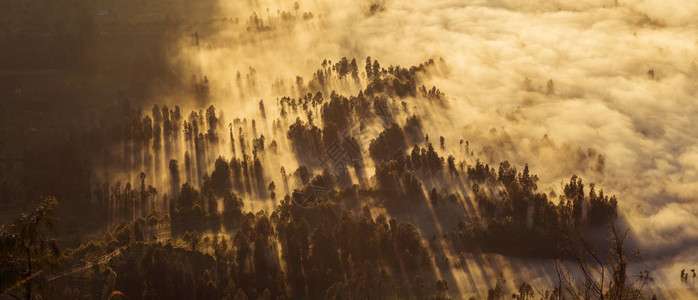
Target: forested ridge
[325,236]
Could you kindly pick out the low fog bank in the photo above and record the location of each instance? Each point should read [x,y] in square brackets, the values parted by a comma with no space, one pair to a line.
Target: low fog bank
[602,89]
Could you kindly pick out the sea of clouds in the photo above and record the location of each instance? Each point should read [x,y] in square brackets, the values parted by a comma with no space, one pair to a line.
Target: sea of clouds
[606,90]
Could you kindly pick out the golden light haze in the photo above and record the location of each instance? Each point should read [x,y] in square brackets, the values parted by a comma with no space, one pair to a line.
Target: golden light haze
[602,89]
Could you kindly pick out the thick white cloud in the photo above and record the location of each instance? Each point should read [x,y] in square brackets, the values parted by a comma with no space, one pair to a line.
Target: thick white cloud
[598,53]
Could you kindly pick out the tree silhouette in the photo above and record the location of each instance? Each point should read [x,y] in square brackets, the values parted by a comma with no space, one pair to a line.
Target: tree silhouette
[26,248]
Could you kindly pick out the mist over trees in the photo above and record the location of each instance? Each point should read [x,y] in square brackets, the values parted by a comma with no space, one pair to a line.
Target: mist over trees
[174,189]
